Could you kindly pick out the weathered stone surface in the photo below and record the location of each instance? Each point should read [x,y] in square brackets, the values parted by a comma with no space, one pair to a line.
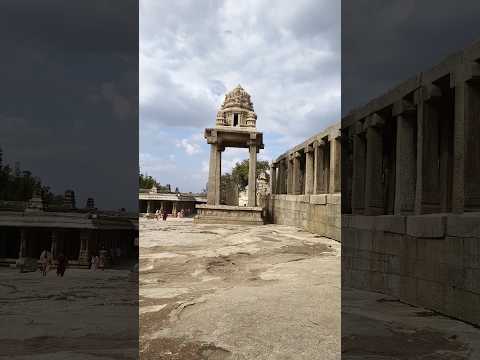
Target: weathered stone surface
[250,292]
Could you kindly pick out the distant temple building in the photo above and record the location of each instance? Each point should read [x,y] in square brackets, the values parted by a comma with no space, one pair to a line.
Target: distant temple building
[28,228]
[151,200]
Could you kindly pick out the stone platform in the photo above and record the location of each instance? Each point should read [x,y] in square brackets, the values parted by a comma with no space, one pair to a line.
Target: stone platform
[225,214]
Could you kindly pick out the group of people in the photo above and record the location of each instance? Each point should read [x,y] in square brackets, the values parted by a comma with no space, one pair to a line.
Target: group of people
[161,214]
[46,262]
[164,215]
[97,262]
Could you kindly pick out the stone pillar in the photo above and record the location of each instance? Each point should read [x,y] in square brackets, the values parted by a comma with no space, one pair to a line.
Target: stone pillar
[309,169]
[280,177]
[335,155]
[374,194]
[162,207]
[252,177]
[316,166]
[296,185]
[211,195]
[23,243]
[423,97]
[218,174]
[466,151]
[273,179]
[289,174]
[359,164]
[174,209]
[405,170]
[83,256]
[54,236]
[149,206]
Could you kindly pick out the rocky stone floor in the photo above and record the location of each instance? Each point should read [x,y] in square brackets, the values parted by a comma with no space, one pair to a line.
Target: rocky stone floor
[237,292]
[84,315]
[379,327]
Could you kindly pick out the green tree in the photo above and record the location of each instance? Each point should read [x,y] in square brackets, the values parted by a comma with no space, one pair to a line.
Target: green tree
[147,182]
[240,172]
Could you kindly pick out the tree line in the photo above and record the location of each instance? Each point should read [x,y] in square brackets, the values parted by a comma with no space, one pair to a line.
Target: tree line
[20,185]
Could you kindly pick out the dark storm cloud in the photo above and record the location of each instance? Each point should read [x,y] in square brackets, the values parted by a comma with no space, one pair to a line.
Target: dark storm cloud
[386,42]
[69,95]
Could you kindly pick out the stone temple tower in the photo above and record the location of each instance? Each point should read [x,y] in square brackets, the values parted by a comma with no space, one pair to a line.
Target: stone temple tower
[235,126]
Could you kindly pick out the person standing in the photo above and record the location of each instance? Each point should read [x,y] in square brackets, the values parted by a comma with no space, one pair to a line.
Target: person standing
[62,265]
[43,263]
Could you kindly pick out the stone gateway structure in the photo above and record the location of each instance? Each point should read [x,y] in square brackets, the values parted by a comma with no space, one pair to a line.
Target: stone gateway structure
[411,190]
[235,127]
[305,185]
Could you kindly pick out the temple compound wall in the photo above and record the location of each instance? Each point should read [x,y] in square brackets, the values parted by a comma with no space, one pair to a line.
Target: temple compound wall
[305,185]
[411,190]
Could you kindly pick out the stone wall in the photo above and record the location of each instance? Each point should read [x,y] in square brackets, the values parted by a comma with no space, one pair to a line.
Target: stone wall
[432,260]
[411,190]
[305,185]
[319,214]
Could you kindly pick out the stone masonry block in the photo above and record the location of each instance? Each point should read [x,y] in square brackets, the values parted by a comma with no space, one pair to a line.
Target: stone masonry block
[391,223]
[464,225]
[426,226]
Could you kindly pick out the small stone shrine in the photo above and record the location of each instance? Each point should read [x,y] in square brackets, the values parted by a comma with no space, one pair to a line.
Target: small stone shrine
[236,126]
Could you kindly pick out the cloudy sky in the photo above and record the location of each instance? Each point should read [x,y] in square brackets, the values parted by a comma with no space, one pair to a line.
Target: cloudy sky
[69,90]
[387,42]
[192,52]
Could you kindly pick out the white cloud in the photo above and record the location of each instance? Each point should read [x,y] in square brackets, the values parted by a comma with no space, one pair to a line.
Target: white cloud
[286,56]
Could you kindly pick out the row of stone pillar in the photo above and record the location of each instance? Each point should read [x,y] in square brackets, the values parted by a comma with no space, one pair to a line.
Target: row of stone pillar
[315,169]
[434,142]
[85,237]
[162,206]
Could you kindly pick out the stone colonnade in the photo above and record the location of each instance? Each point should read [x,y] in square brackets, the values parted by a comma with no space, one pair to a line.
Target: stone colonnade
[416,150]
[76,244]
[309,169]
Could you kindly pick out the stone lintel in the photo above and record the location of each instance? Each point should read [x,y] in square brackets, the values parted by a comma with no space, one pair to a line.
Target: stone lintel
[468,72]
[359,127]
[427,92]
[374,120]
[403,108]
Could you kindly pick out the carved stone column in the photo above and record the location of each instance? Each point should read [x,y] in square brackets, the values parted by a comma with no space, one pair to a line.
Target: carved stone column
[289,174]
[296,173]
[149,206]
[309,169]
[83,256]
[23,243]
[374,195]
[427,147]
[252,177]
[335,155]
[466,152]
[54,236]
[218,174]
[211,195]
[273,179]
[405,171]
[359,164]
[316,166]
